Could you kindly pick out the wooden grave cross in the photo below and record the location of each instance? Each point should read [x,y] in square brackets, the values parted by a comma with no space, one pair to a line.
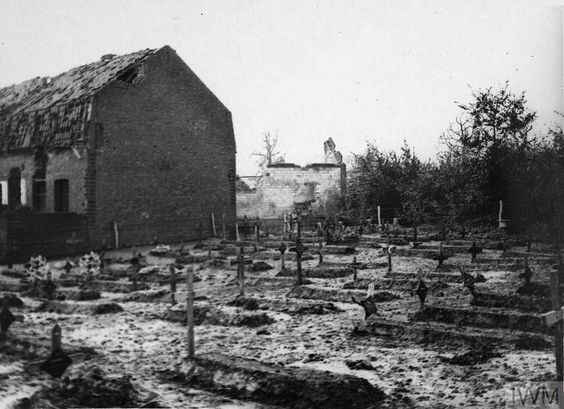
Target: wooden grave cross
[136,267]
[223,230]
[474,251]
[282,249]
[58,361]
[172,271]
[389,256]
[556,318]
[257,229]
[49,287]
[299,249]
[6,318]
[190,310]
[552,317]
[355,265]
[241,262]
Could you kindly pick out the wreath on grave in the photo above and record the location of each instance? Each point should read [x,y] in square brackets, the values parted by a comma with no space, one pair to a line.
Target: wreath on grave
[36,268]
[90,264]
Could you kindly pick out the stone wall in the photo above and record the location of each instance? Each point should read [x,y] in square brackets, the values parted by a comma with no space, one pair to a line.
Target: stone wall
[281,184]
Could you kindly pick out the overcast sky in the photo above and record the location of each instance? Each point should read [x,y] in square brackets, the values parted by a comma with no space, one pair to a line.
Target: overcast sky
[356,71]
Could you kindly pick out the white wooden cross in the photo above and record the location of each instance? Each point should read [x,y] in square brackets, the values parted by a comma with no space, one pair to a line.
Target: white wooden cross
[552,317]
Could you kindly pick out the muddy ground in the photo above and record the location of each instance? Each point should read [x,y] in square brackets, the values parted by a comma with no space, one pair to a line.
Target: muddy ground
[453,354]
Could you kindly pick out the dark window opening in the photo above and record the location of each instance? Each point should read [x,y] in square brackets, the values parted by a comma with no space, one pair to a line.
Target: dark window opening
[61,196]
[14,188]
[39,195]
[128,75]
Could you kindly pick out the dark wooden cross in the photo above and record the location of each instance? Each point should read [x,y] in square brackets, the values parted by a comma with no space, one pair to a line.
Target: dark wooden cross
[224,232]
[468,280]
[389,256]
[299,249]
[49,287]
[68,266]
[172,271]
[421,291]
[355,266]
[474,251]
[241,262]
[556,318]
[441,256]
[58,361]
[504,246]
[257,229]
[6,318]
[136,267]
[527,272]
[282,249]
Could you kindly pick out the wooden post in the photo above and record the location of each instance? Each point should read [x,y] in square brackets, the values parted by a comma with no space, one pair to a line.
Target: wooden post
[299,249]
[173,284]
[241,271]
[500,209]
[116,234]
[223,226]
[213,226]
[389,257]
[282,250]
[556,297]
[379,218]
[354,266]
[284,228]
[237,232]
[190,310]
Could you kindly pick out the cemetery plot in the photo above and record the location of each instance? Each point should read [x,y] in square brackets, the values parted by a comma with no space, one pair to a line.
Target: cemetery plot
[370,318]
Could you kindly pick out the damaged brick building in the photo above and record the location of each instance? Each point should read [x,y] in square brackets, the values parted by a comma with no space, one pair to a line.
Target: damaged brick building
[283,184]
[127,149]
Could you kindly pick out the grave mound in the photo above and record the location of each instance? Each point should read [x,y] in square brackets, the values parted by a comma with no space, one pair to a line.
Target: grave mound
[13,301]
[473,357]
[92,388]
[78,295]
[297,388]
[260,266]
[14,274]
[319,272]
[161,294]
[206,315]
[62,307]
[246,303]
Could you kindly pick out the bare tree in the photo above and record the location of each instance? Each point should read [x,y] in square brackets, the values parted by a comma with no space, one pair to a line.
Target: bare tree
[269,155]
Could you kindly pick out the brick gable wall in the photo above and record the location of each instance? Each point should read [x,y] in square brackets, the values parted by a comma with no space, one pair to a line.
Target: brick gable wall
[164,154]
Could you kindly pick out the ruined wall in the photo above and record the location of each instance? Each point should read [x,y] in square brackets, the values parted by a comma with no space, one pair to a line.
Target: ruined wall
[281,184]
[164,156]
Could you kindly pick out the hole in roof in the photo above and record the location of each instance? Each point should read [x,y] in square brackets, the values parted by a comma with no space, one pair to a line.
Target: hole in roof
[128,75]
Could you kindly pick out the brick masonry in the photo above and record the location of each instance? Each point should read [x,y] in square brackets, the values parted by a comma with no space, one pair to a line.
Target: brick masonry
[158,158]
[164,157]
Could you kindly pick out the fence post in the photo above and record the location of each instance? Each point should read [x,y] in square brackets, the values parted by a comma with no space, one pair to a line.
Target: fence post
[190,310]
